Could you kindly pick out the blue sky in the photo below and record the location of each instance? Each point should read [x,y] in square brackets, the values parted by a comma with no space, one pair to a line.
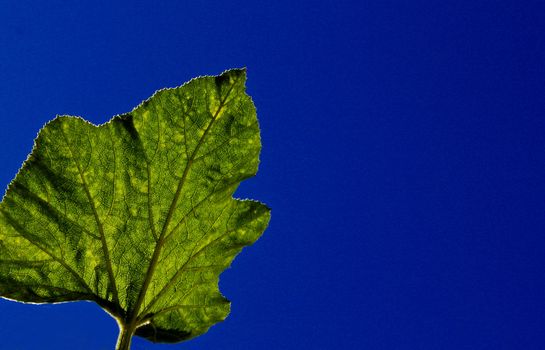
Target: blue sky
[403,158]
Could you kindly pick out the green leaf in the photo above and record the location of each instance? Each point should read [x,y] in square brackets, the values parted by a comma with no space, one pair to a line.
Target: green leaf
[137,214]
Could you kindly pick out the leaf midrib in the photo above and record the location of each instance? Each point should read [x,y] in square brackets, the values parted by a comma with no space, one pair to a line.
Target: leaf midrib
[133,316]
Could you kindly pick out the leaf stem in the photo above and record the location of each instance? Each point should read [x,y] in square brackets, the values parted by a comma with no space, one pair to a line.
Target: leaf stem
[124,338]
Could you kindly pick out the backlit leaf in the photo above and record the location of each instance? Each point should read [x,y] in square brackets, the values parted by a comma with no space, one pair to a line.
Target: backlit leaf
[137,214]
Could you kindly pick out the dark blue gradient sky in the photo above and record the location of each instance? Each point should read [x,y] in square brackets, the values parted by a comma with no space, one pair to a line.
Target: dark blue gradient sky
[403,157]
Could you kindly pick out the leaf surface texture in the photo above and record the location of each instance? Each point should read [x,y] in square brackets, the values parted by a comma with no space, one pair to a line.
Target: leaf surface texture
[137,214]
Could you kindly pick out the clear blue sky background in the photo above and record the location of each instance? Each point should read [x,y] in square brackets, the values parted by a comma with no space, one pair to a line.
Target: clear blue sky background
[403,157]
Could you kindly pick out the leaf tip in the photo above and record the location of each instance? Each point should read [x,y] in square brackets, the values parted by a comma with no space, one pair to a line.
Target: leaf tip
[236,74]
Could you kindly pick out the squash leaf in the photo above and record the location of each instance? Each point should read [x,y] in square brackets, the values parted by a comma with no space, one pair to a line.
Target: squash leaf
[137,214]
